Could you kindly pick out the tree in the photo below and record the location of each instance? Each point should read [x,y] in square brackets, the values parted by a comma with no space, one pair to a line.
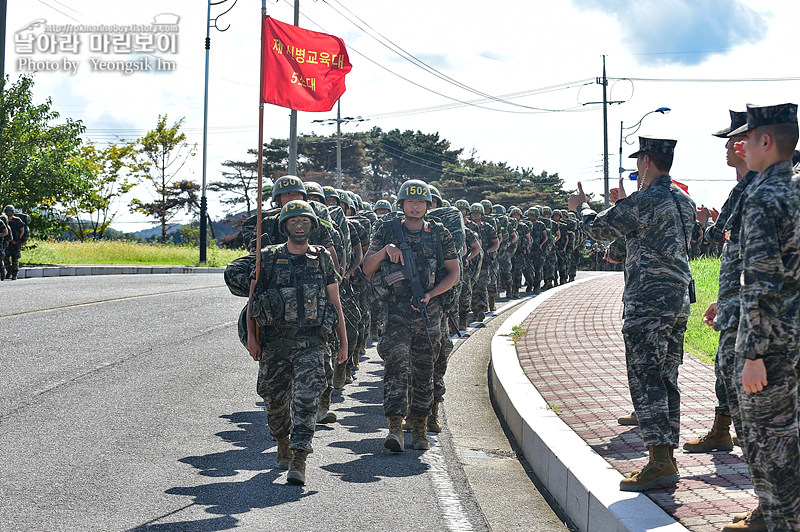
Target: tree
[112,168]
[40,162]
[240,182]
[162,154]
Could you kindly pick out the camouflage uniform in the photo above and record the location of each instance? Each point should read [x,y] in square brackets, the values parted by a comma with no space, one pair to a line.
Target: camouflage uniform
[549,251]
[13,252]
[520,260]
[469,272]
[404,348]
[480,290]
[656,299]
[3,243]
[726,230]
[291,373]
[769,329]
[536,255]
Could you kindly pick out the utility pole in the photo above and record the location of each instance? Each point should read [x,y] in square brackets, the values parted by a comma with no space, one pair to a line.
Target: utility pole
[605,135]
[293,115]
[3,10]
[339,143]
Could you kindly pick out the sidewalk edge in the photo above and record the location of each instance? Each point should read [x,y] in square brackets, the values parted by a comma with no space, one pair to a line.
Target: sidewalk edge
[580,480]
[94,269]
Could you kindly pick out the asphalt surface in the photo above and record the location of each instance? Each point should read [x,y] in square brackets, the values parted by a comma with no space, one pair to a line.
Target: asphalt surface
[128,404]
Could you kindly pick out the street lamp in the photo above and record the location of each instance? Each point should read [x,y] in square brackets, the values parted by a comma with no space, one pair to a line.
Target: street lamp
[635,128]
[210,22]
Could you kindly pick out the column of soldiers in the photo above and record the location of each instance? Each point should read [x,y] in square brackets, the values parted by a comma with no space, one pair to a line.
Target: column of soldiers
[356,279]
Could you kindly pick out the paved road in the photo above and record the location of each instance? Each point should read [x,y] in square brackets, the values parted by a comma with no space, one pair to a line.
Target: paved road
[128,404]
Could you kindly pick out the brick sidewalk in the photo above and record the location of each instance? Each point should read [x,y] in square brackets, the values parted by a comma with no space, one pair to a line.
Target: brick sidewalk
[575,357]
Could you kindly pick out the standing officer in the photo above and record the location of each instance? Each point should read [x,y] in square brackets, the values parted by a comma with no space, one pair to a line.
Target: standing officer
[768,338]
[295,297]
[536,255]
[723,315]
[656,222]
[413,326]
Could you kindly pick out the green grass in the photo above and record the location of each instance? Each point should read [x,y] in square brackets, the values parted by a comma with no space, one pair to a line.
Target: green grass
[701,340]
[122,252]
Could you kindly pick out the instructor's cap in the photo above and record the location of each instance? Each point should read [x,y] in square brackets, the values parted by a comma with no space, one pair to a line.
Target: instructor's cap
[767,115]
[738,119]
[651,145]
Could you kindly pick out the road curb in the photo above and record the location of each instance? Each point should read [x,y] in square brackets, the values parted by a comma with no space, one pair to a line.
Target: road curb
[580,480]
[119,269]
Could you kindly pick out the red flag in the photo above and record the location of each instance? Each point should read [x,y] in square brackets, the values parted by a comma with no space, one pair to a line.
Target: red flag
[681,186]
[302,69]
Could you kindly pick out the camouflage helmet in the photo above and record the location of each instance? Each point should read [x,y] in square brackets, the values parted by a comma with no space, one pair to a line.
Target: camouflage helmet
[436,194]
[383,204]
[357,201]
[314,188]
[414,189]
[288,183]
[9,208]
[498,209]
[298,208]
[330,192]
[445,203]
[572,216]
[486,205]
[462,204]
[532,212]
[476,207]
[514,210]
[367,206]
[345,198]
[546,211]
[557,212]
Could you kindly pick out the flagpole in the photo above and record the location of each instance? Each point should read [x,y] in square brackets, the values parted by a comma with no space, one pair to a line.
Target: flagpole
[260,160]
[293,114]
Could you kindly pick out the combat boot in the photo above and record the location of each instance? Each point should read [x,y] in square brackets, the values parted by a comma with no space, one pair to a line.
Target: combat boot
[284,453]
[659,471]
[548,284]
[348,375]
[529,288]
[14,276]
[491,303]
[752,521]
[629,419]
[395,440]
[433,419]
[478,315]
[339,375]
[419,433]
[2,274]
[462,323]
[324,415]
[717,439]
[297,468]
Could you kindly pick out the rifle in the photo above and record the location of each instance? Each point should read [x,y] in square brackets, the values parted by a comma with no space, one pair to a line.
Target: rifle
[410,272]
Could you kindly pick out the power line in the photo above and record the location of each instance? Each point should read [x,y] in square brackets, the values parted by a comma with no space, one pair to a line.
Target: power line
[421,64]
[711,80]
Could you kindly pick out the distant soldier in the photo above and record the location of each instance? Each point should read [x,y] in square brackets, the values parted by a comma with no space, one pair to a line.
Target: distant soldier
[493,260]
[489,244]
[656,222]
[295,296]
[471,264]
[549,262]
[520,258]
[414,311]
[768,338]
[537,253]
[17,234]
[3,243]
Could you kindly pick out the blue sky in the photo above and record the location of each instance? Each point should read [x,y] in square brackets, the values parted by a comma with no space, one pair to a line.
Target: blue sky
[546,54]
